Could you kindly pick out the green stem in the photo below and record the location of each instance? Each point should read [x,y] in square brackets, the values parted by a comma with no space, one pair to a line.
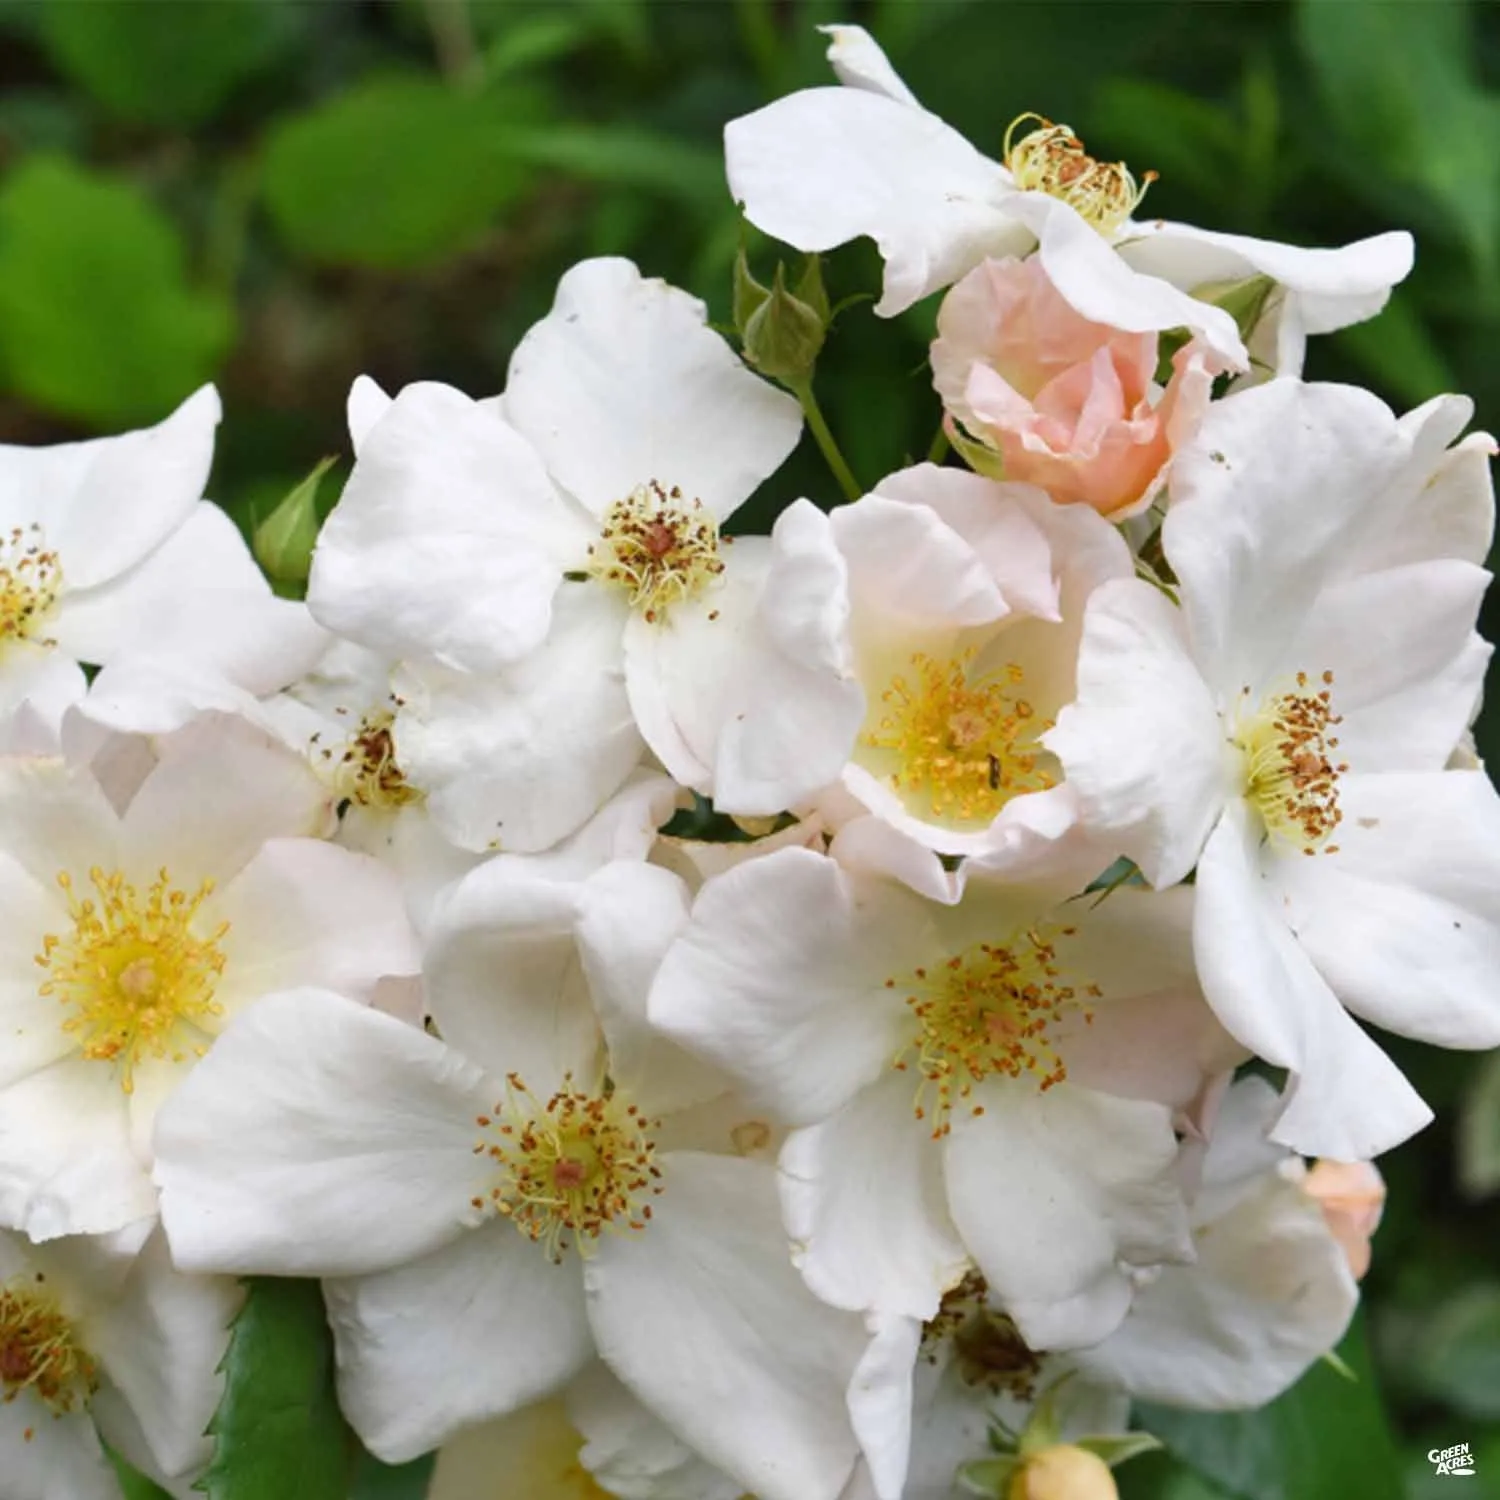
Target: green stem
[824,437]
[939,449]
[453,40]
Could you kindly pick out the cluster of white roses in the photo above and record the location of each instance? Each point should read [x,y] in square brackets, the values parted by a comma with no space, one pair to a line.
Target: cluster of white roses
[344,940]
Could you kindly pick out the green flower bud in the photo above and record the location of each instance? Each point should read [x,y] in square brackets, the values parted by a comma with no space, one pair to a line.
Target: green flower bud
[283,541]
[783,336]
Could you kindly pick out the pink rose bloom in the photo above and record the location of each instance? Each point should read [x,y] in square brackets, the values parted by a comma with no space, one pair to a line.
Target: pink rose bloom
[1351,1195]
[1059,401]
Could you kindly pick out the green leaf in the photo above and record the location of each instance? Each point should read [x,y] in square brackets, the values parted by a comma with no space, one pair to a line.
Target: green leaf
[397,172]
[283,541]
[1326,1436]
[134,1485]
[627,156]
[278,1431]
[1457,1355]
[1479,1131]
[163,64]
[97,319]
[374,1480]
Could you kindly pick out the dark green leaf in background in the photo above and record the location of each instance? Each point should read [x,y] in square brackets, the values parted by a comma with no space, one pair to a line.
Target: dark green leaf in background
[97,318]
[163,64]
[278,1433]
[397,172]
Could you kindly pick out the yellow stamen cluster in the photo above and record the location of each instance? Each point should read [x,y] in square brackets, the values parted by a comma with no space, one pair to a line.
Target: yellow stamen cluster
[1291,777]
[365,771]
[1050,159]
[988,1012]
[38,1350]
[30,579]
[135,977]
[961,747]
[659,547]
[567,1170]
[987,1348]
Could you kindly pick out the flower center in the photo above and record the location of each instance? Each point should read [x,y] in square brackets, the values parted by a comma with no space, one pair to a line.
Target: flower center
[988,1350]
[137,980]
[961,747]
[988,1012]
[566,1170]
[1050,159]
[657,546]
[30,578]
[38,1350]
[1291,778]
[366,771]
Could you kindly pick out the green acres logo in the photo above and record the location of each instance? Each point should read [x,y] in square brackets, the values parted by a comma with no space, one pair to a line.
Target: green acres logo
[1454,1460]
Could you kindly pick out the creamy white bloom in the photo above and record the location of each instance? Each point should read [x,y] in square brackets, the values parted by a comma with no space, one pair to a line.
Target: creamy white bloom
[132,936]
[549,1180]
[1287,729]
[827,165]
[108,549]
[941,1047]
[102,1339]
[1270,1291]
[523,555]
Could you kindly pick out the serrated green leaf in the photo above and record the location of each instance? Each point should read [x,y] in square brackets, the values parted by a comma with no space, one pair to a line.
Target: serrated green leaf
[162,63]
[97,318]
[1326,1436]
[396,172]
[278,1432]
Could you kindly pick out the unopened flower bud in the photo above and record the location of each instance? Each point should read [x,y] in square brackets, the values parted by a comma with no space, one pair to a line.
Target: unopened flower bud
[749,293]
[283,542]
[1063,1472]
[1245,301]
[783,336]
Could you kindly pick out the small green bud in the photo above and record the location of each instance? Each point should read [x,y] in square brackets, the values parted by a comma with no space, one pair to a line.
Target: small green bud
[283,542]
[783,335]
[810,289]
[749,293]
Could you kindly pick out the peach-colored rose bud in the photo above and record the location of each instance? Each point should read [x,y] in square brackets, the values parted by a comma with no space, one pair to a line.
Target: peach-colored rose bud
[1063,1473]
[1351,1195]
[1063,403]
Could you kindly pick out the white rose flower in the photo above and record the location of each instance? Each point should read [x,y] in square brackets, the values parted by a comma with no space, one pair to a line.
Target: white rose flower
[1286,730]
[827,165]
[549,1180]
[102,1339]
[133,936]
[939,1045]
[108,549]
[521,555]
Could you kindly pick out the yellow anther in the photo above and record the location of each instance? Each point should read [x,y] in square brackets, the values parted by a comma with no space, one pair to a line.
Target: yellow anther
[1050,159]
[658,546]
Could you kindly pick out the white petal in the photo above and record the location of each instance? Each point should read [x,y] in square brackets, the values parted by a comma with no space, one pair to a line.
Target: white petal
[161,1342]
[47,681]
[129,492]
[319,1138]
[1270,1293]
[703,1317]
[1051,1191]
[857,59]
[54,818]
[880,1405]
[31,1023]
[1403,921]
[470,1332]
[1143,746]
[199,598]
[66,1163]
[504,982]
[1346,1099]
[448,541]
[308,913]
[532,1452]
[44,1458]
[824,166]
[1265,502]
[524,757]
[780,979]
[623,382]
[865,1206]
[366,405]
[624,828]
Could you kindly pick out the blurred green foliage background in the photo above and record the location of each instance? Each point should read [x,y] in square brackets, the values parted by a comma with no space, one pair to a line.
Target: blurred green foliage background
[279,196]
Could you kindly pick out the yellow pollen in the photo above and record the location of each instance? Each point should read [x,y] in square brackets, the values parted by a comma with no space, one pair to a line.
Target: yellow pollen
[659,547]
[366,771]
[567,1170]
[988,1012]
[1050,159]
[1291,777]
[38,1350]
[987,1348]
[135,979]
[30,579]
[960,747]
